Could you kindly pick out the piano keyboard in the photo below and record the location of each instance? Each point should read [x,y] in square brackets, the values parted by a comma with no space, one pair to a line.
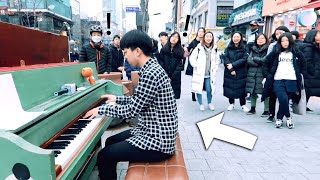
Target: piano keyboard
[68,144]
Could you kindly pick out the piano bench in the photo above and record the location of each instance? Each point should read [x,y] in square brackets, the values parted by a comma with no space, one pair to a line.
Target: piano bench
[171,169]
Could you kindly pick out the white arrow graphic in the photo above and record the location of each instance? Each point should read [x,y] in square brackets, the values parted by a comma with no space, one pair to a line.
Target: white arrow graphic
[211,128]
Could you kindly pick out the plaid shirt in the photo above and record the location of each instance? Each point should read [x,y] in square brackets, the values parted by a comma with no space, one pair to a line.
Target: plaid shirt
[155,105]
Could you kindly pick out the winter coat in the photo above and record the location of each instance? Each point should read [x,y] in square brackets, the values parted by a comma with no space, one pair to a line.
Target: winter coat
[311,53]
[117,58]
[235,86]
[272,60]
[129,68]
[171,62]
[98,54]
[198,62]
[255,69]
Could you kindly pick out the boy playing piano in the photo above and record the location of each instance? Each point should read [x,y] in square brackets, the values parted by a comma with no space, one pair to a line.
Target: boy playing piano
[153,139]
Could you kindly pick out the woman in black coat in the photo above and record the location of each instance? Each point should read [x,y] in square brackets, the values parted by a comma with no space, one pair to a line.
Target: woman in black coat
[235,73]
[255,75]
[311,51]
[284,79]
[170,59]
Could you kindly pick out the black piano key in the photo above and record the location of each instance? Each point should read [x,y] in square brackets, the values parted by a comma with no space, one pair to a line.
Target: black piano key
[67,137]
[83,121]
[63,142]
[57,152]
[78,126]
[59,143]
[72,131]
[56,147]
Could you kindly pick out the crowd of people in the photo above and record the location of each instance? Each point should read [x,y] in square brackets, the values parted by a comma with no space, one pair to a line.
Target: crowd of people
[271,67]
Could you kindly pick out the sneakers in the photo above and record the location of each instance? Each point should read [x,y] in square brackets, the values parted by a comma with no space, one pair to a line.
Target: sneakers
[230,107]
[211,107]
[279,123]
[252,111]
[270,118]
[201,107]
[290,124]
[245,109]
[309,110]
[265,114]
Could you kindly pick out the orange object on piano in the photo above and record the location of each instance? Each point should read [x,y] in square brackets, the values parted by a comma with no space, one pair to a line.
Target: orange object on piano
[87,73]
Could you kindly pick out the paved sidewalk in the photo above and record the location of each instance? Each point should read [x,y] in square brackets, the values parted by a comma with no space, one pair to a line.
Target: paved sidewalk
[278,154]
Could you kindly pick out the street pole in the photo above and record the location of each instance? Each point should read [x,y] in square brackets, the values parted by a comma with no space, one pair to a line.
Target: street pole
[178,14]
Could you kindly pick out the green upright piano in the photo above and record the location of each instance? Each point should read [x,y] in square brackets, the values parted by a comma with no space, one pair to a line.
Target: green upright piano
[43,136]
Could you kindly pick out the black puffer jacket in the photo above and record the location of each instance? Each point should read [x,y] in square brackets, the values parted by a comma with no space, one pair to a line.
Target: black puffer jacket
[117,58]
[235,86]
[311,53]
[98,54]
[299,65]
[171,62]
[255,69]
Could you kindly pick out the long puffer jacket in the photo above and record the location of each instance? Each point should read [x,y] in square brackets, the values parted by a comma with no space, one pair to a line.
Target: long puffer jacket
[235,86]
[255,69]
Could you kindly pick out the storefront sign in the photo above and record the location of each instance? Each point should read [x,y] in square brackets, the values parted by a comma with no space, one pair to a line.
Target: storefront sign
[246,13]
[223,14]
[277,6]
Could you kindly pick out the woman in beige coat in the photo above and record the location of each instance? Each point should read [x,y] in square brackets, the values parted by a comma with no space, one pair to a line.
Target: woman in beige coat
[205,65]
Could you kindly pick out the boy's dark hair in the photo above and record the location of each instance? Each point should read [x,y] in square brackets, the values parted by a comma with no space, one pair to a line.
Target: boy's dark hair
[292,44]
[116,36]
[137,39]
[163,34]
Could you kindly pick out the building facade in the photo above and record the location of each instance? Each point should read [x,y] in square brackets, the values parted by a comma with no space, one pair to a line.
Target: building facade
[213,15]
[115,8]
[47,15]
[76,27]
[299,15]
[244,14]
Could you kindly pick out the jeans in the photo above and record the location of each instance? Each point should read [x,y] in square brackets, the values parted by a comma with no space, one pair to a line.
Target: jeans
[207,86]
[117,149]
[284,90]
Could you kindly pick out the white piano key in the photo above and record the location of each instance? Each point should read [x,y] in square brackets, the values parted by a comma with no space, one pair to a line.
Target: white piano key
[72,148]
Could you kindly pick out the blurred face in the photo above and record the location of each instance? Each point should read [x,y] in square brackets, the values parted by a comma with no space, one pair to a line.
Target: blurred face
[116,42]
[285,42]
[131,56]
[253,27]
[317,37]
[174,39]
[261,40]
[200,33]
[278,33]
[236,38]
[95,34]
[208,38]
[163,40]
